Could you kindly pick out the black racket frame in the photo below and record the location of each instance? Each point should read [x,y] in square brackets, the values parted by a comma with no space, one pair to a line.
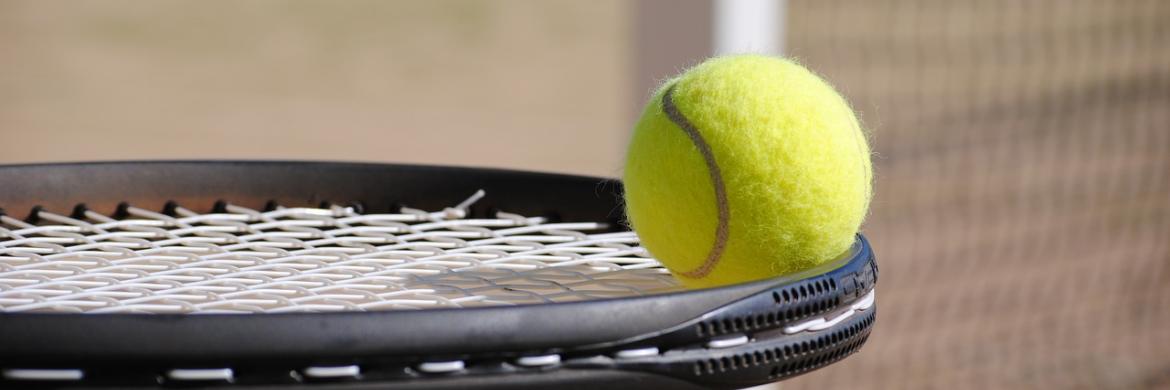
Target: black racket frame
[268,349]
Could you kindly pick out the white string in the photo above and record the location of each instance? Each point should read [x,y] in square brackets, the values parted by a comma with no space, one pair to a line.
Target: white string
[309,259]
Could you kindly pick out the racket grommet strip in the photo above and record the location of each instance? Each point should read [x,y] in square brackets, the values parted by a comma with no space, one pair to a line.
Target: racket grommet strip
[79,211]
[122,211]
[41,374]
[332,372]
[34,214]
[441,367]
[201,374]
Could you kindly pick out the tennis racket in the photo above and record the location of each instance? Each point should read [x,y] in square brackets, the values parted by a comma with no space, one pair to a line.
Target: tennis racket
[339,275]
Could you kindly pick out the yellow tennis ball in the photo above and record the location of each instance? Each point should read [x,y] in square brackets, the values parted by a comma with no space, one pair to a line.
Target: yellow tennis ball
[746,167]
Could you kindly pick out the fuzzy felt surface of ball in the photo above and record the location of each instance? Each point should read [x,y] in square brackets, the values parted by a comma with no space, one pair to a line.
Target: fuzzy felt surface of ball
[746,167]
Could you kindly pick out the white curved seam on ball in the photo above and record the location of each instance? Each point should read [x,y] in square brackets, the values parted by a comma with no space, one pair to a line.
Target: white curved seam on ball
[722,228]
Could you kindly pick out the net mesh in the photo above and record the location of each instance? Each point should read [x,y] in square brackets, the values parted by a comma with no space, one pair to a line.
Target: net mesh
[1022,210]
[310,259]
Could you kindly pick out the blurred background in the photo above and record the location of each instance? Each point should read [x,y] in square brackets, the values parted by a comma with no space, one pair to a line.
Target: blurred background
[1022,149]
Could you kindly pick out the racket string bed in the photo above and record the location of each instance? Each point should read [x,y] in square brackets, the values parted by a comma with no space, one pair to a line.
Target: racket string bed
[241,260]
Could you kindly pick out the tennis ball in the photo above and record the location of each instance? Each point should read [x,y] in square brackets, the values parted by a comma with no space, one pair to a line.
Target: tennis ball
[746,167]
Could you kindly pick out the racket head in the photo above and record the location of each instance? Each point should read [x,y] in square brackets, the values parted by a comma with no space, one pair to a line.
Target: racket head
[411,346]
